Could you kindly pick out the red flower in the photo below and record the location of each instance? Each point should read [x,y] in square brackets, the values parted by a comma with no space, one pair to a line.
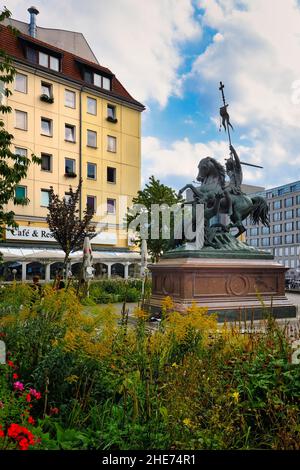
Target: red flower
[1,432]
[10,364]
[22,435]
[15,376]
[54,411]
[31,420]
[28,397]
[38,395]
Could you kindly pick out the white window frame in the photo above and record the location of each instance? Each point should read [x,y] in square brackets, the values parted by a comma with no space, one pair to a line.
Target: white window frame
[44,154]
[74,132]
[44,191]
[73,94]
[111,138]
[115,205]
[89,98]
[87,171]
[50,128]
[92,133]
[25,90]
[24,113]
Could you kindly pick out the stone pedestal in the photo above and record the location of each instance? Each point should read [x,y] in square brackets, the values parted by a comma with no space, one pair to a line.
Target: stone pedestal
[235,288]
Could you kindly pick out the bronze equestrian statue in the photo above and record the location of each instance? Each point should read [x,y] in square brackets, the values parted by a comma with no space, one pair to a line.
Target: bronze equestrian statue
[221,197]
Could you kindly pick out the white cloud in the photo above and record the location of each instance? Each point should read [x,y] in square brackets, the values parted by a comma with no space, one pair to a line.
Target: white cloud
[258,59]
[140,41]
[180,159]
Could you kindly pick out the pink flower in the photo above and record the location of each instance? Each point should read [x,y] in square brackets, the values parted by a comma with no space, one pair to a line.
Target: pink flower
[35,394]
[19,386]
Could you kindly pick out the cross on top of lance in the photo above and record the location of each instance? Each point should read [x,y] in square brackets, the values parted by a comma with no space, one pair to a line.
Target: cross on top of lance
[221,86]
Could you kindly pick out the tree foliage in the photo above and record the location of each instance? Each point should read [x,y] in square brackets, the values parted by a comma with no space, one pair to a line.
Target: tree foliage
[65,223]
[13,167]
[154,193]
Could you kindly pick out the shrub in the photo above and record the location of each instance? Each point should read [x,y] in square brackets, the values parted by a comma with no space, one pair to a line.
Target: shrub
[186,383]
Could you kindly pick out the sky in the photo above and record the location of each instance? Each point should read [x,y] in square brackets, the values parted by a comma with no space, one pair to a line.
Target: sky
[171,56]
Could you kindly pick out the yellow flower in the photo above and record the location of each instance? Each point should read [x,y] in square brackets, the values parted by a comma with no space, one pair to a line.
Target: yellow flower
[235,396]
[175,365]
[187,422]
[71,379]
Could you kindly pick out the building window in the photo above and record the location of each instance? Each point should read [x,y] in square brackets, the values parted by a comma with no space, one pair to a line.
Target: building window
[67,197]
[265,241]
[289,214]
[91,138]
[91,171]
[289,202]
[91,105]
[289,226]
[277,228]
[253,242]
[47,89]
[277,216]
[70,167]
[277,240]
[45,197]
[21,82]
[21,192]
[111,143]
[21,151]
[106,83]
[47,127]
[298,199]
[48,61]
[277,204]
[289,239]
[69,133]
[43,59]
[298,224]
[111,113]
[21,120]
[298,238]
[91,204]
[70,99]
[298,212]
[111,206]
[254,231]
[265,230]
[97,80]
[111,174]
[46,164]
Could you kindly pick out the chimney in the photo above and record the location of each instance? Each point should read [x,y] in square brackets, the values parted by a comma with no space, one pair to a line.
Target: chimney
[32,25]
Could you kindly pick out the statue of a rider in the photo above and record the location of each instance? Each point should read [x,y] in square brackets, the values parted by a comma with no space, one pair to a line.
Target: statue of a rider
[235,173]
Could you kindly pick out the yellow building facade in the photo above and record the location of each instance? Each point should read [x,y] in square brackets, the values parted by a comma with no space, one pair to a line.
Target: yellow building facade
[77,117]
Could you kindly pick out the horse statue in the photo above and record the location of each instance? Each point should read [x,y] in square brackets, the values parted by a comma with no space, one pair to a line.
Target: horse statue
[211,175]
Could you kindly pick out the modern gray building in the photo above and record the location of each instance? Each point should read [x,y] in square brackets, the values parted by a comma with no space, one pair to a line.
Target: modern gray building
[282,238]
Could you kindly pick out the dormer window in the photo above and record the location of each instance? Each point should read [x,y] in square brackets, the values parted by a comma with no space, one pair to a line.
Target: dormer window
[42,58]
[48,61]
[97,79]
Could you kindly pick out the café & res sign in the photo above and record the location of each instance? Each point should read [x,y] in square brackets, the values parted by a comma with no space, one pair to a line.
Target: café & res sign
[30,234]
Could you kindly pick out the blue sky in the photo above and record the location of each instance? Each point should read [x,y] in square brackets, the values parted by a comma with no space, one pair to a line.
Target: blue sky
[171,55]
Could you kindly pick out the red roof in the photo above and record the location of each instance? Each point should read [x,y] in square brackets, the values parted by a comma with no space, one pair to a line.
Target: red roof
[69,64]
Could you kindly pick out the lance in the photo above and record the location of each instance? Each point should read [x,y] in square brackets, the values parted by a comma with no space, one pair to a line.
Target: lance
[221,88]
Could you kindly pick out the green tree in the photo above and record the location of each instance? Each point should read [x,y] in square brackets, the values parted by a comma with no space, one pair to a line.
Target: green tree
[65,223]
[153,193]
[13,167]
